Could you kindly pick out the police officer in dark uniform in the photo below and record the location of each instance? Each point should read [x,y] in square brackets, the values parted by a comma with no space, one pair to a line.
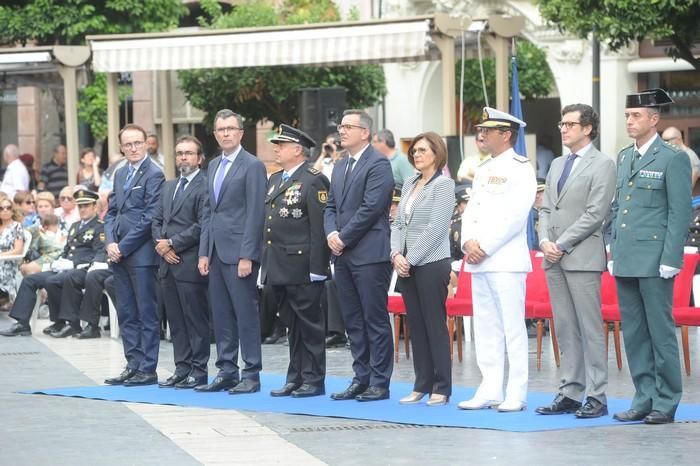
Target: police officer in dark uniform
[85,241]
[295,259]
[462,196]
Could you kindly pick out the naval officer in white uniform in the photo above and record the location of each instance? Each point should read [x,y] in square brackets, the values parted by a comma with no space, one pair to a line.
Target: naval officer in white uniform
[494,241]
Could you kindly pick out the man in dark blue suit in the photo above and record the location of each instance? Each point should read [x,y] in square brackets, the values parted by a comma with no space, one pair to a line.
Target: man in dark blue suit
[176,231]
[357,229]
[132,205]
[229,253]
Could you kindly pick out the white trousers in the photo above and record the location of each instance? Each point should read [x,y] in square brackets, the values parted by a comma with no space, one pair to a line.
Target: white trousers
[499,328]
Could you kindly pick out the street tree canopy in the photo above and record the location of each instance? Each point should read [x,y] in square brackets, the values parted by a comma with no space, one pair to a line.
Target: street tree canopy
[270,93]
[618,22]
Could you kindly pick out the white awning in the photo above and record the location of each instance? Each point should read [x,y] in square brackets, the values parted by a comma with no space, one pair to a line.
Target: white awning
[324,44]
[657,65]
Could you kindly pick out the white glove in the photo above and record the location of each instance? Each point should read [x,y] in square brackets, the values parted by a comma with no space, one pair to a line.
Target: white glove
[317,278]
[98,266]
[610,267]
[667,272]
[61,264]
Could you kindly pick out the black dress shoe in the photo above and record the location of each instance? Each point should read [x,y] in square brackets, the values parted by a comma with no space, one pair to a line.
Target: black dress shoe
[350,393]
[17,328]
[307,390]
[91,331]
[172,380]
[55,327]
[121,378]
[592,408]
[141,378]
[373,394]
[336,340]
[272,339]
[191,382]
[657,417]
[286,390]
[66,331]
[245,386]
[631,415]
[561,405]
[218,384]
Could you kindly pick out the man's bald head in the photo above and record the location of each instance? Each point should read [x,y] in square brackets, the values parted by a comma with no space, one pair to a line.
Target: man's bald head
[673,135]
[11,153]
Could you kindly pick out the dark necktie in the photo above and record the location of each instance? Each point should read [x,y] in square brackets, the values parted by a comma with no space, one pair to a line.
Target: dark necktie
[348,171]
[636,157]
[129,176]
[568,165]
[180,190]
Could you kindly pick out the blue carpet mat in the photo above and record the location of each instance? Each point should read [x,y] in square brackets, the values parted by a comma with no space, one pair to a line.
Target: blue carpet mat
[385,410]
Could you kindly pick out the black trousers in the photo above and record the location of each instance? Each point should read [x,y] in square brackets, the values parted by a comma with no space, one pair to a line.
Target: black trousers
[301,305]
[187,309]
[66,295]
[331,306]
[95,283]
[270,321]
[26,296]
[424,293]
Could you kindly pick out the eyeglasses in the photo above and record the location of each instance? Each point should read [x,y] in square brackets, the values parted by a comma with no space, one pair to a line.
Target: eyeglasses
[568,124]
[229,129]
[347,127]
[133,145]
[187,153]
[65,198]
[419,151]
[5,207]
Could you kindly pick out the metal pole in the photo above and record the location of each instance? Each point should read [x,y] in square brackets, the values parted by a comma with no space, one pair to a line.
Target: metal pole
[595,81]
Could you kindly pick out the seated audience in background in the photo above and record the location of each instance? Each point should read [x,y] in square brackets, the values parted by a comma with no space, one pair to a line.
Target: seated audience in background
[467,168]
[89,173]
[67,212]
[25,201]
[420,253]
[47,247]
[11,244]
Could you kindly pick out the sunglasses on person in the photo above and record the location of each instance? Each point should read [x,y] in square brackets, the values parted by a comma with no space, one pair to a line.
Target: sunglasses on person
[65,198]
[5,207]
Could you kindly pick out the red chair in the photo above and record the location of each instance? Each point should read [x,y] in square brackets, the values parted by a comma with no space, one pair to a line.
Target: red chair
[397,308]
[610,310]
[458,307]
[538,306]
[682,289]
[686,317]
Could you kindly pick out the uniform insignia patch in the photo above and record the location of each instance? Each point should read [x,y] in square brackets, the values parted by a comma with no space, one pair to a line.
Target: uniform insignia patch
[284,212]
[497,179]
[654,175]
[296,213]
[102,236]
[323,196]
[313,171]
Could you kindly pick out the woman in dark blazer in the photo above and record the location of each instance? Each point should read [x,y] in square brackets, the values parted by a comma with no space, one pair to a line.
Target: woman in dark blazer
[421,257]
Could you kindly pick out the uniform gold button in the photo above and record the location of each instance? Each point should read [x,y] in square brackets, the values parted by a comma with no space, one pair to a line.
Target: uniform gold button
[624,212]
[269,242]
[299,252]
[630,183]
[648,186]
[628,197]
[654,237]
[273,206]
[623,225]
[270,217]
[72,247]
[268,230]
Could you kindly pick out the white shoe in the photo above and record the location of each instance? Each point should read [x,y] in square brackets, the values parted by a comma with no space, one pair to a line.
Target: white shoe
[478,403]
[511,406]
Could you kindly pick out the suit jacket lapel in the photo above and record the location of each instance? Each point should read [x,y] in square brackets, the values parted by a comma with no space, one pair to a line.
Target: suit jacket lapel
[188,189]
[235,166]
[349,179]
[581,166]
[167,194]
[137,177]
[211,170]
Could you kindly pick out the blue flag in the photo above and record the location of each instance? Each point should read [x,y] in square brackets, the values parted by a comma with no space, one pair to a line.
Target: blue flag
[516,108]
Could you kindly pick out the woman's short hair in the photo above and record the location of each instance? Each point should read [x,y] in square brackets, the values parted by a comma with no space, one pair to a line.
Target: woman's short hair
[437,145]
[46,196]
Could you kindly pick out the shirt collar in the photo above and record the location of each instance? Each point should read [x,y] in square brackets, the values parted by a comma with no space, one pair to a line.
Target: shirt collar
[138,164]
[584,150]
[191,176]
[291,171]
[645,147]
[359,154]
[232,156]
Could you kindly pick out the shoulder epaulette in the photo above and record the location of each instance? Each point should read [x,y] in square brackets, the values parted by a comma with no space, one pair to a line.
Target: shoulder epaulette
[673,147]
[313,171]
[520,158]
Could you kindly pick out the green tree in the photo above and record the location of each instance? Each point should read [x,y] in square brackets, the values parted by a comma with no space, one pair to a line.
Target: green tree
[536,79]
[618,22]
[271,92]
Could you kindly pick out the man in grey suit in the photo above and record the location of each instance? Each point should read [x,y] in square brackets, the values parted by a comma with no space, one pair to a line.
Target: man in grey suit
[176,230]
[229,253]
[577,199]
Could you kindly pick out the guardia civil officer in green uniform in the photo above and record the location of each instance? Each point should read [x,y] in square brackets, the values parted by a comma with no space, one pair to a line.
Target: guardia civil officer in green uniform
[295,259]
[651,211]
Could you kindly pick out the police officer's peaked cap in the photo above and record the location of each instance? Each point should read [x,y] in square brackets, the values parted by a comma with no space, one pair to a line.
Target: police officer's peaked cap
[287,133]
[85,196]
[541,184]
[492,118]
[648,98]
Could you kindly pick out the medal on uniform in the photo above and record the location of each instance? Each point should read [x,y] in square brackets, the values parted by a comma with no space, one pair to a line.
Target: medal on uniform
[284,213]
[88,235]
[296,213]
[293,194]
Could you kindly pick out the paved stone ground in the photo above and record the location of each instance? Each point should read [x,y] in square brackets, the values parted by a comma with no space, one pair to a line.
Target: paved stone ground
[38,430]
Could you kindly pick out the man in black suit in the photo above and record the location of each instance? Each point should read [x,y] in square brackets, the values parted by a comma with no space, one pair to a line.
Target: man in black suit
[85,242]
[132,205]
[176,230]
[295,259]
[357,230]
[229,253]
